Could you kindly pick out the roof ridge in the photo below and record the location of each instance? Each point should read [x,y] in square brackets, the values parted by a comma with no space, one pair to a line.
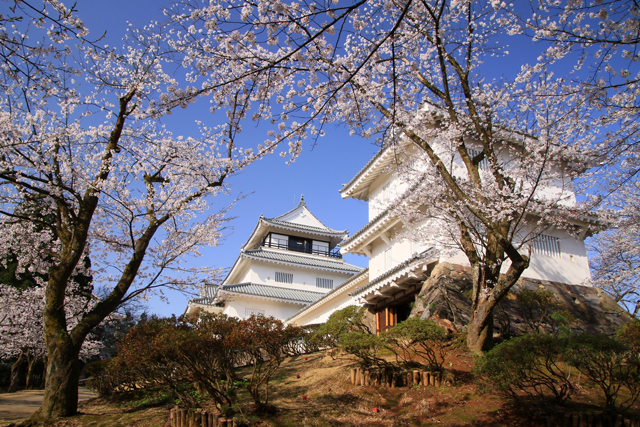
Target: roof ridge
[271,287]
[295,224]
[314,262]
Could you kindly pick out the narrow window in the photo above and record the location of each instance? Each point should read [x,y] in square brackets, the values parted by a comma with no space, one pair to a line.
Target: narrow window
[546,245]
[324,283]
[484,164]
[386,192]
[388,259]
[284,277]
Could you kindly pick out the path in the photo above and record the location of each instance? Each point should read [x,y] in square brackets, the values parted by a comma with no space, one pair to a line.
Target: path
[20,405]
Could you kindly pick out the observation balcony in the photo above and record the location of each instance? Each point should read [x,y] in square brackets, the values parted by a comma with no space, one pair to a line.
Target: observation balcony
[295,247]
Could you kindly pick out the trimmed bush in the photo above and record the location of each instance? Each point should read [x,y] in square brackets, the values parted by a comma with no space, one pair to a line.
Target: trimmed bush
[364,346]
[630,334]
[535,307]
[349,319]
[176,356]
[528,366]
[421,337]
[609,364]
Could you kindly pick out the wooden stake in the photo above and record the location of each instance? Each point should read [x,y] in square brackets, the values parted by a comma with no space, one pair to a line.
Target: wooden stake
[425,379]
[416,378]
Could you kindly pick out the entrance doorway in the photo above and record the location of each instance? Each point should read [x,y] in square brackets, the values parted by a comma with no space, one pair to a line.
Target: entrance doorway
[393,313]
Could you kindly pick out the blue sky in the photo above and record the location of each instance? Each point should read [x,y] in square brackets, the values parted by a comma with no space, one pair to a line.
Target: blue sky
[271,187]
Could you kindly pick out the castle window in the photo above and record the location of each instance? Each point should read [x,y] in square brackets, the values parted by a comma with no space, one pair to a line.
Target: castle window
[284,277]
[546,245]
[484,164]
[389,262]
[324,283]
[386,192]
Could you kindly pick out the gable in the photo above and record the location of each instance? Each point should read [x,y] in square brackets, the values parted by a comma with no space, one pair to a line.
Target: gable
[301,215]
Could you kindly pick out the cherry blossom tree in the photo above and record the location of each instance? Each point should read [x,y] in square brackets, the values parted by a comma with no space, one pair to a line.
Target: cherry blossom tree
[604,36]
[82,132]
[497,154]
[21,329]
[616,261]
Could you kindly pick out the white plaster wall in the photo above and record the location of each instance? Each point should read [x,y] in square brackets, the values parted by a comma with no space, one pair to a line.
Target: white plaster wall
[554,184]
[401,250]
[571,267]
[236,307]
[376,262]
[302,216]
[375,197]
[303,278]
[322,313]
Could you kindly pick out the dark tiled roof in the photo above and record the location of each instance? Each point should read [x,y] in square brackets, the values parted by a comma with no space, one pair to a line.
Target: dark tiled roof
[383,213]
[302,260]
[293,225]
[369,163]
[203,301]
[274,292]
[428,254]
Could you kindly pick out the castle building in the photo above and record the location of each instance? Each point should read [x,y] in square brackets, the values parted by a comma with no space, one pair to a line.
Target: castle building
[287,263]
[398,267]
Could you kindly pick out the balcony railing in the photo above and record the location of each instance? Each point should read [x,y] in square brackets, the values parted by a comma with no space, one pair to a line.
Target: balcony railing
[335,253]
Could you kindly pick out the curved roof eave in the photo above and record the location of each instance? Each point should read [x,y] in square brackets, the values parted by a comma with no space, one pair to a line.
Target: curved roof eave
[301,261]
[305,228]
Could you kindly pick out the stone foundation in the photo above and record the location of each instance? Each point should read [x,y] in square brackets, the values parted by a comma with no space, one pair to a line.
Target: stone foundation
[447,294]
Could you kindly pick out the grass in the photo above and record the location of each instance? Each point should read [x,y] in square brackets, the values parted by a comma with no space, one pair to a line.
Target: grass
[333,402]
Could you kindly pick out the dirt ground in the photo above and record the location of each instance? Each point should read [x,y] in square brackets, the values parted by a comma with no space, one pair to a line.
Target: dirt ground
[18,406]
[315,391]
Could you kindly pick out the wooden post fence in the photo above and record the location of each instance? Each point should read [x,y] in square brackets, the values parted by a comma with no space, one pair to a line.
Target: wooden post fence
[199,418]
[393,379]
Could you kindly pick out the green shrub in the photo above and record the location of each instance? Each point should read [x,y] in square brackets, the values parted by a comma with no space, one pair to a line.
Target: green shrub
[349,319]
[420,337]
[609,364]
[528,366]
[263,340]
[176,356]
[364,346]
[561,322]
[630,334]
[102,379]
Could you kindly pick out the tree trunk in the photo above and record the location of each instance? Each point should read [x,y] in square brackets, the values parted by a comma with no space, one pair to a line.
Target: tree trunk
[18,373]
[33,373]
[61,378]
[480,331]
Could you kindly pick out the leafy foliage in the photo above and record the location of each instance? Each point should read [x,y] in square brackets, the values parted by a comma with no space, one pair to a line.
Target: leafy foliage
[348,319]
[364,346]
[630,334]
[262,342]
[528,366]
[540,365]
[420,337]
[609,364]
[172,353]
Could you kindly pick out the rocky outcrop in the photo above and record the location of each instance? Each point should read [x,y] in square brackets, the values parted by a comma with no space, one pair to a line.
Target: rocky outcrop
[447,294]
